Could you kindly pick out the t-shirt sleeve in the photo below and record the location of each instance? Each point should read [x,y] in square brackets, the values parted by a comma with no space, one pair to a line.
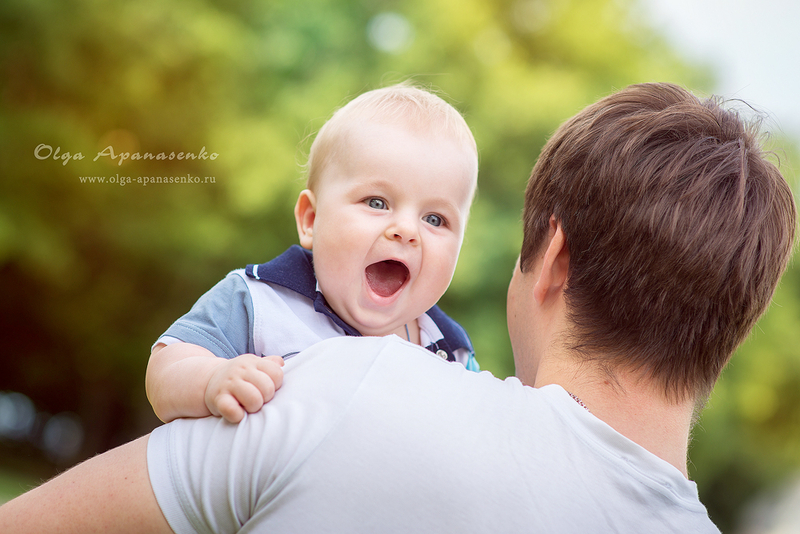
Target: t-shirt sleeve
[207,509]
[212,476]
[220,321]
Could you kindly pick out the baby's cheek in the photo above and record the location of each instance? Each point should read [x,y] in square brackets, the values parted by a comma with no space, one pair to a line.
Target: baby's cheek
[445,267]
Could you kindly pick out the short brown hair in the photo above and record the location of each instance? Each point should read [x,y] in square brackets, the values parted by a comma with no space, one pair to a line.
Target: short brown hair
[678,230]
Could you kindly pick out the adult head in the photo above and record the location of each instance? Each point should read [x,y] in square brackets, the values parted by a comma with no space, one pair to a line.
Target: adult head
[677,227]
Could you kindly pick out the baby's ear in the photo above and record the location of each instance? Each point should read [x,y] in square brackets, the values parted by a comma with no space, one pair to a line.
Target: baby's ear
[305,211]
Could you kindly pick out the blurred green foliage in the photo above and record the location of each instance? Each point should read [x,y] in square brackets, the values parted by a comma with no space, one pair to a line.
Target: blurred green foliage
[12,484]
[91,274]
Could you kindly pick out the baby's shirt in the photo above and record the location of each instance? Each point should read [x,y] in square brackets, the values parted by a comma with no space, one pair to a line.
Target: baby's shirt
[276,308]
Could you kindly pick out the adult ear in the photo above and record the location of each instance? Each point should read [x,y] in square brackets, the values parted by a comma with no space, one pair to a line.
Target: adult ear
[305,211]
[552,278]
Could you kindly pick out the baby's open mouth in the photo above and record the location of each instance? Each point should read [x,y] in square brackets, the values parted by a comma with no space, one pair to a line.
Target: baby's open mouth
[386,277]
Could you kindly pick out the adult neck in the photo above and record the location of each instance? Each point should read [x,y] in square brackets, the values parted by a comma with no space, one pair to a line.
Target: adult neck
[632,405]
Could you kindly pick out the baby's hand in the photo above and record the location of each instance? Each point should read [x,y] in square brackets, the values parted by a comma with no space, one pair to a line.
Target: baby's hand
[244,383]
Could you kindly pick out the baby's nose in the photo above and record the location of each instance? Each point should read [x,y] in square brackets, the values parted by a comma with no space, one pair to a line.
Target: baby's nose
[404,230]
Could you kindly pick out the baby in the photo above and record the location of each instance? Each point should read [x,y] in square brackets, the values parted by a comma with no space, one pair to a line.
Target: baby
[391,177]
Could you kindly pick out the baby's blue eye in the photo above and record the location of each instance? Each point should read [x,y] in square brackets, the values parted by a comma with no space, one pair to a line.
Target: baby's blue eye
[376,203]
[433,220]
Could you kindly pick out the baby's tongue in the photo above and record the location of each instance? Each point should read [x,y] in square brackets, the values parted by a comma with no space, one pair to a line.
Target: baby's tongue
[386,277]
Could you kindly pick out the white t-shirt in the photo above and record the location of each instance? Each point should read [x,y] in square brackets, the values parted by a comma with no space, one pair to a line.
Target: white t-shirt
[379,435]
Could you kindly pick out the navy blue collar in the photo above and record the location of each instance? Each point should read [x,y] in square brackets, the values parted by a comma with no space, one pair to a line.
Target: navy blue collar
[294,270]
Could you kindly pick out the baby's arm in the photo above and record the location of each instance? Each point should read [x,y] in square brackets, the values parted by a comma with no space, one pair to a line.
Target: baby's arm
[186,380]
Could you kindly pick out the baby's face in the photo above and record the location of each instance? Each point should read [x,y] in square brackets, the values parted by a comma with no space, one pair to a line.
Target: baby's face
[388,220]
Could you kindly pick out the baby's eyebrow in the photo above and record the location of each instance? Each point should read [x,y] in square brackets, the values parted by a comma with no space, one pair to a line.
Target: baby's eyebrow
[378,184]
[446,203]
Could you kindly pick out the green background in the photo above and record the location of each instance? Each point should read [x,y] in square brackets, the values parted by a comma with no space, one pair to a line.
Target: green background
[91,274]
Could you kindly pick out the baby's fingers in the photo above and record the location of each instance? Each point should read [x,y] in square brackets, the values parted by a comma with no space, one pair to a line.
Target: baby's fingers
[243,384]
[229,408]
[273,367]
[266,378]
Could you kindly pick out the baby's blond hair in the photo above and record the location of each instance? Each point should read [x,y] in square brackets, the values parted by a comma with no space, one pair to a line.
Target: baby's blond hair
[402,103]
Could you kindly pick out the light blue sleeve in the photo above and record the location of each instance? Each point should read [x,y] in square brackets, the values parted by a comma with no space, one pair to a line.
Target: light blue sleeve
[220,321]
